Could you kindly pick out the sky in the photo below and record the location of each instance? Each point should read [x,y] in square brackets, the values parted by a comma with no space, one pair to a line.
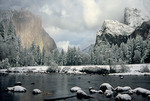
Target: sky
[76,22]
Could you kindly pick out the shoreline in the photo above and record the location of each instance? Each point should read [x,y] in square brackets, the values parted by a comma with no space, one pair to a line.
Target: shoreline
[131,69]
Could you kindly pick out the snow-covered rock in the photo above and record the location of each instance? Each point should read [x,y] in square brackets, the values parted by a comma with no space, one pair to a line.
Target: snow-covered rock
[108,93]
[148,92]
[142,30]
[92,90]
[141,91]
[75,89]
[19,89]
[116,28]
[130,92]
[100,91]
[113,32]
[106,86]
[121,89]
[10,88]
[123,97]
[81,94]
[16,89]
[134,17]
[36,91]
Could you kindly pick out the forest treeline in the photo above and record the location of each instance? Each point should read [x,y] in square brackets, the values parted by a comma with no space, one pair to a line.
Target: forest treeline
[12,54]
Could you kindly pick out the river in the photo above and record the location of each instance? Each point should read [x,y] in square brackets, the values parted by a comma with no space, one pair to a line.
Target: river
[58,85]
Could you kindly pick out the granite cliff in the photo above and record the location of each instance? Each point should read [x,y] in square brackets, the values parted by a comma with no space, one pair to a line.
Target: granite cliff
[114,32]
[29,28]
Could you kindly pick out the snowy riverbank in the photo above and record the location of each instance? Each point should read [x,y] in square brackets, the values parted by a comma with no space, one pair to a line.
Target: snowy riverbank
[132,69]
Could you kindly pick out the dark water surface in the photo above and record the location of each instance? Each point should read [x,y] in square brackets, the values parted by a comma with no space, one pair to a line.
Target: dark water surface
[58,85]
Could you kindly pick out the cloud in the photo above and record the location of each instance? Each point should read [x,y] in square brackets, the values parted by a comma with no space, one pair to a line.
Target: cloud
[45,9]
[91,13]
[63,45]
[76,21]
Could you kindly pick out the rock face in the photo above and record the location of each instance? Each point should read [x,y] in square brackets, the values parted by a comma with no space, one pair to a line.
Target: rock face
[114,32]
[134,17]
[116,28]
[29,27]
[142,30]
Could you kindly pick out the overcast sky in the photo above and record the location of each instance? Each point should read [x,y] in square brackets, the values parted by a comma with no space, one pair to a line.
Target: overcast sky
[76,22]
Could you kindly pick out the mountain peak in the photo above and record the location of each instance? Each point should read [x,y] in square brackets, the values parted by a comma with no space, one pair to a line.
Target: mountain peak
[134,17]
[116,28]
[115,32]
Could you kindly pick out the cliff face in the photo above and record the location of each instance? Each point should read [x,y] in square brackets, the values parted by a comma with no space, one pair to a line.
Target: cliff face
[114,32]
[29,27]
[134,17]
[142,30]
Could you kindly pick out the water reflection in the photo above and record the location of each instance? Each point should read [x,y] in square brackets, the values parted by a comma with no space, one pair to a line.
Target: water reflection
[58,85]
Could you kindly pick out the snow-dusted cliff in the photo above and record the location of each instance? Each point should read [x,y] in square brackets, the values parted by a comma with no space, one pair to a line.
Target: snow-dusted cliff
[115,32]
[116,28]
[134,17]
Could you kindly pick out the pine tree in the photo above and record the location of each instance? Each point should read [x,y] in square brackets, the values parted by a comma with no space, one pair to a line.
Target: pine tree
[92,59]
[137,56]
[62,58]
[43,56]
[12,44]
[38,56]
[146,56]
[130,50]
[2,32]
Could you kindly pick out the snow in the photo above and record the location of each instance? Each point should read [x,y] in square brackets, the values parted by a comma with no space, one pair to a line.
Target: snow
[92,90]
[108,93]
[123,97]
[75,89]
[135,17]
[36,91]
[130,92]
[133,69]
[116,28]
[77,69]
[3,70]
[142,91]
[81,92]
[106,86]
[99,33]
[126,88]
[16,89]
[10,88]
[34,69]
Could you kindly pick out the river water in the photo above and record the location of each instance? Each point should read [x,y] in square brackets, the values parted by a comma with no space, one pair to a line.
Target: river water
[58,85]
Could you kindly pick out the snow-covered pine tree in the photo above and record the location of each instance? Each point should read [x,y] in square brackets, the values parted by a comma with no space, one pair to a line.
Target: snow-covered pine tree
[130,50]
[146,57]
[38,55]
[137,56]
[12,44]
[43,56]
